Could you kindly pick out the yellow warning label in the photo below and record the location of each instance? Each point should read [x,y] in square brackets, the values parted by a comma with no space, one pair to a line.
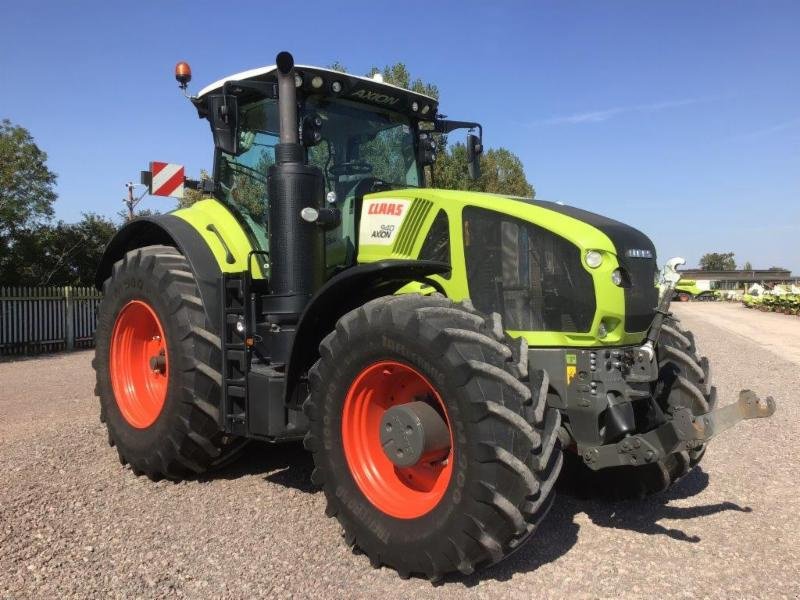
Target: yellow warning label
[571,370]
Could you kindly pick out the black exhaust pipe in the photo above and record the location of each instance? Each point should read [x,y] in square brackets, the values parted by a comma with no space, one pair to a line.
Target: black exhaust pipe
[287,98]
[297,260]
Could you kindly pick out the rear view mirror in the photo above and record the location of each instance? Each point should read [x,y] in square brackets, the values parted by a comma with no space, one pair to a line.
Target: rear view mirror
[223,114]
[474,151]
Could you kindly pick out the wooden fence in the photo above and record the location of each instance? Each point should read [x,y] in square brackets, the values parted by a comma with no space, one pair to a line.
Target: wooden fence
[46,319]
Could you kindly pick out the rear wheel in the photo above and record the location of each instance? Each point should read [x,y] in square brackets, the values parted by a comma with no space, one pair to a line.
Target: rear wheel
[433,454]
[684,381]
[157,365]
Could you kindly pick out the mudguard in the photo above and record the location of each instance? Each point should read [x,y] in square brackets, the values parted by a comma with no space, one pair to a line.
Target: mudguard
[170,231]
[345,292]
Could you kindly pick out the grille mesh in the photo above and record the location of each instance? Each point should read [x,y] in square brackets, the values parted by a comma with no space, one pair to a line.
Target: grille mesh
[532,277]
[641,296]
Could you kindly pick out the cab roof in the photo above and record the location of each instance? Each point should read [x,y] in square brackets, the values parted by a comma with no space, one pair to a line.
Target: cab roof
[353,87]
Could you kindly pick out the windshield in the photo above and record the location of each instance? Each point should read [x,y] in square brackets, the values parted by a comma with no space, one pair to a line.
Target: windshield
[361,147]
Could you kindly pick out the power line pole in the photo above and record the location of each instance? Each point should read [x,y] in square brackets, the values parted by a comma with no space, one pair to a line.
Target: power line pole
[131,201]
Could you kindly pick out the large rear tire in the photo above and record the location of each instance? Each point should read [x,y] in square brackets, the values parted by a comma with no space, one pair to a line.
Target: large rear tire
[157,365]
[486,492]
[684,381]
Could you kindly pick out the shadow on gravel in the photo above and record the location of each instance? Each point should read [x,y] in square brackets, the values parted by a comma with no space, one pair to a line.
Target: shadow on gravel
[289,465]
[642,516]
[558,533]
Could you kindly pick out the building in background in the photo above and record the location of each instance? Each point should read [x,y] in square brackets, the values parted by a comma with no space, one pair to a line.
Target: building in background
[740,279]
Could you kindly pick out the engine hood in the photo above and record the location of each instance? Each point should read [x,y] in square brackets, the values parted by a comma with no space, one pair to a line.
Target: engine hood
[629,242]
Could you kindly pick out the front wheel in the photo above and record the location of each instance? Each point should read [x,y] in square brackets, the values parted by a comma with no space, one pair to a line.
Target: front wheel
[433,454]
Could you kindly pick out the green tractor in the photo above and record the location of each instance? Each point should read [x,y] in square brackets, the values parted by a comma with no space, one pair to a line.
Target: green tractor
[442,354]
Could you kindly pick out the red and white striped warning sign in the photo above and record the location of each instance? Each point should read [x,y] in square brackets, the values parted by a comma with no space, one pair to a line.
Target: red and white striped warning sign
[166,179]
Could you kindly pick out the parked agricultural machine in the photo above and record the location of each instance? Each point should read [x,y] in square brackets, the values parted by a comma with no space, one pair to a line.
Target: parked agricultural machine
[441,353]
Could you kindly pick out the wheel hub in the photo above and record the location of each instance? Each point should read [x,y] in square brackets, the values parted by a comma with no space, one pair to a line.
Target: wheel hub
[139,365]
[414,432]
[399,448]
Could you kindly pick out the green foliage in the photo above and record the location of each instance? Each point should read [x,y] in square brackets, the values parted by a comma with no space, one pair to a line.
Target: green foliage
[501,170]
[26,184]
[747,266]
[788,303]
[191,196]
[59,254]
[718,261]
[398,74]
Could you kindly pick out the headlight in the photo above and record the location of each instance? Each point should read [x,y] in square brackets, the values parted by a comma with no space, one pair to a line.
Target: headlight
[602,331]
[316,82]
[336,87]
[616,277]
[594,259]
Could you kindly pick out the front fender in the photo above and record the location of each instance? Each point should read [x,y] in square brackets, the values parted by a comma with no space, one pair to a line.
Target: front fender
[345,292]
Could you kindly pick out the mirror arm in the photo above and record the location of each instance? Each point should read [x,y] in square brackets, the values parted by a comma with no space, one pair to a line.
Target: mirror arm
[446,126]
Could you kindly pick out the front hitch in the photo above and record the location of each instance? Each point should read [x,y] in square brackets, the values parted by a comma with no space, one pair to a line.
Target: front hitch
[683,432]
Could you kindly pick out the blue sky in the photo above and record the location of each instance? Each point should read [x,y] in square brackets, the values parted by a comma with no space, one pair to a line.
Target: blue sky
[680,118]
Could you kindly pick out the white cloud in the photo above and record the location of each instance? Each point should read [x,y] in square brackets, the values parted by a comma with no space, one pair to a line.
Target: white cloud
[598,116]
[790,124]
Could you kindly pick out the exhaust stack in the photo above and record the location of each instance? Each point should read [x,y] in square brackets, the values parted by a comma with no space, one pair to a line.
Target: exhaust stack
[297,260]
[287,98]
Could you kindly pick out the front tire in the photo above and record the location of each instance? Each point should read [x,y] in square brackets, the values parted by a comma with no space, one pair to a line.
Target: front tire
[486,494]
[157,366]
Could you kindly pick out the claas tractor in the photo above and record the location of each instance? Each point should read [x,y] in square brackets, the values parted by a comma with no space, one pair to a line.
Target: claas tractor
[442,354]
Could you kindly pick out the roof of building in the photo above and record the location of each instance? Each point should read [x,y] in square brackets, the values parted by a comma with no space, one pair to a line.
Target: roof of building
[738,275]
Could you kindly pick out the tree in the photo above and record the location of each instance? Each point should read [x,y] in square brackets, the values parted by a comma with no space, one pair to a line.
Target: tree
[747,266]
[718,261]
[57,254]
[501,170]
[26,183]
[60,254]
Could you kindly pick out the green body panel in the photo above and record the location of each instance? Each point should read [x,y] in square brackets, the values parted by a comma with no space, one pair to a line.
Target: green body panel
[422,207]
[425,205]
[688,286]
[209,212]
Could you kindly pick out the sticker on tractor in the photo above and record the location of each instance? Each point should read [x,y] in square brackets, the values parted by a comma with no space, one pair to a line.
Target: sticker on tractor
[166,179]
[381,220]
[572,369]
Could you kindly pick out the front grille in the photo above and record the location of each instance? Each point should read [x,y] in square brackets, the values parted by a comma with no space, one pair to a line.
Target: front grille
[641,295]
[529,275]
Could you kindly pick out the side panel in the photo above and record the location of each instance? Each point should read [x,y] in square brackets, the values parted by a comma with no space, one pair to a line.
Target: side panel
[411,229]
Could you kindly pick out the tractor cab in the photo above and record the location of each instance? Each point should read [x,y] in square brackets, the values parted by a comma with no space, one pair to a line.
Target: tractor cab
[363,134]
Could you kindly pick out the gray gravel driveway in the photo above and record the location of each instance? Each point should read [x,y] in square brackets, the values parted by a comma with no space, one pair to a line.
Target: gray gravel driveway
[75,523]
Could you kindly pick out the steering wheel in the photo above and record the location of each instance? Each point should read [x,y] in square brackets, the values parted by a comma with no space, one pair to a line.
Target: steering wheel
[351,167]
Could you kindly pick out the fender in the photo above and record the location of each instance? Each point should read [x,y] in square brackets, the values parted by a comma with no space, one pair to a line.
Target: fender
[169,231]
[345,292]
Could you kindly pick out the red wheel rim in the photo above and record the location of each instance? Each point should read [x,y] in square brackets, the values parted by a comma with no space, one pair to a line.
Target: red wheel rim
[407,492]
[138,364]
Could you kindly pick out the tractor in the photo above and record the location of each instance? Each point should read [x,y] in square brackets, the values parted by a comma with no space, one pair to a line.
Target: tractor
[442,354]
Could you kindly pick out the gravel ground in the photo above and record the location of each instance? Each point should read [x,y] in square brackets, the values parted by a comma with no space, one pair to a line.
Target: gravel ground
[74,523]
